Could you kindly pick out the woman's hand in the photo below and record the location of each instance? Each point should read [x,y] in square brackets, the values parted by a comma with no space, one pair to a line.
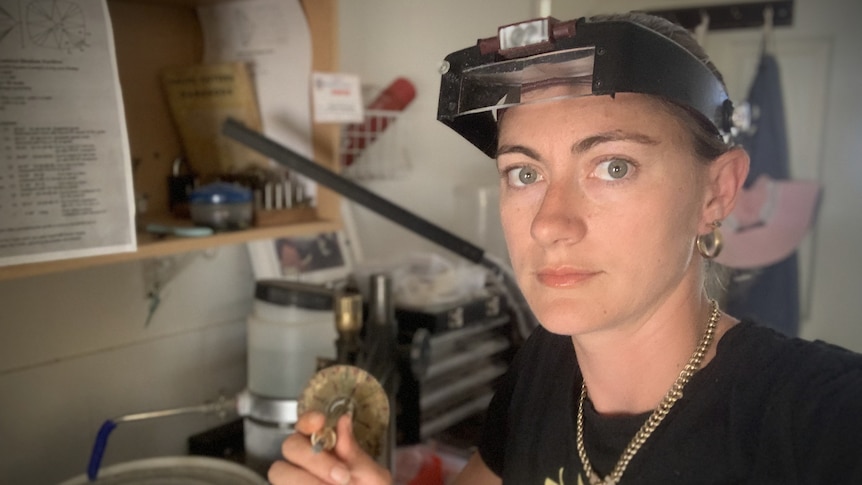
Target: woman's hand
[345,464]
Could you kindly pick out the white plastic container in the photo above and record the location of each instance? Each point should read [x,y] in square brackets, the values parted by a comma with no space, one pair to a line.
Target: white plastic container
[292,325]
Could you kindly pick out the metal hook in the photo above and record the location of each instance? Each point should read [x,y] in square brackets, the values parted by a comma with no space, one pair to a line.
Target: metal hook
[768,39]
[701,28]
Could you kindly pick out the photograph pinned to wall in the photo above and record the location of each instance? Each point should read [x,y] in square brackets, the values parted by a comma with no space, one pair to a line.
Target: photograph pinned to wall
[316,258]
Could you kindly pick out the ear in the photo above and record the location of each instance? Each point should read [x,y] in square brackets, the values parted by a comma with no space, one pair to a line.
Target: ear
[726,175]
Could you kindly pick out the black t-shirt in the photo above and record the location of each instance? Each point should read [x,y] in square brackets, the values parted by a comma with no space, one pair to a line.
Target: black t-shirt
[766,410]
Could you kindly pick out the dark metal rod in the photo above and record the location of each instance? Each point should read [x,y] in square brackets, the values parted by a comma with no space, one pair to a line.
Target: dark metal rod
[322,175]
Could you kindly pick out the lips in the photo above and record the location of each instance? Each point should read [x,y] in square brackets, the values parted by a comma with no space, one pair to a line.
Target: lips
[564,277]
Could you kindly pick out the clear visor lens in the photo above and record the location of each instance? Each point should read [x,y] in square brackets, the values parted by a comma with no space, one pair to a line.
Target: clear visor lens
[543,77]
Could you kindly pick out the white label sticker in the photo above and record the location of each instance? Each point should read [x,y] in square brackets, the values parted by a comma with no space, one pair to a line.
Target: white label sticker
[337,98]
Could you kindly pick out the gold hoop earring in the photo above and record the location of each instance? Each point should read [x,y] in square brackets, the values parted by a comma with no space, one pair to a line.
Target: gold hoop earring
[709,245]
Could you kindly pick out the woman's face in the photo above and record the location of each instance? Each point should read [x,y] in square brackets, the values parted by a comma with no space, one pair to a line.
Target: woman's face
[601,200]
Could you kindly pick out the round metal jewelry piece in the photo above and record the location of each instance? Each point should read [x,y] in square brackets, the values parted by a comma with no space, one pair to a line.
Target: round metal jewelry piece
[709,245]
[344,389]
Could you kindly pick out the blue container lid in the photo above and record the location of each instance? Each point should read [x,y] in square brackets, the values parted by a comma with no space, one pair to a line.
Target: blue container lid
[220,193]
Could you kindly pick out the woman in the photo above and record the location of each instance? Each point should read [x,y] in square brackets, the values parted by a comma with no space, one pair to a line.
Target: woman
[615,177]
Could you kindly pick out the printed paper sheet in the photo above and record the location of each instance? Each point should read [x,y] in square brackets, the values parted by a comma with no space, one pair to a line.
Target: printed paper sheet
[65,169]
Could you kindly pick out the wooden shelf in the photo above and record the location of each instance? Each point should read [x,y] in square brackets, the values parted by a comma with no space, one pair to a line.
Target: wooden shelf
[150,35]
[150,246]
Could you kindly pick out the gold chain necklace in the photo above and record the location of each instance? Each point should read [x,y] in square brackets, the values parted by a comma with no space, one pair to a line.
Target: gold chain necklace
[672,396]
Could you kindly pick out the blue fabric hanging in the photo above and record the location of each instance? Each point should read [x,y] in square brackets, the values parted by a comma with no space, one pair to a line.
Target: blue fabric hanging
[769,295]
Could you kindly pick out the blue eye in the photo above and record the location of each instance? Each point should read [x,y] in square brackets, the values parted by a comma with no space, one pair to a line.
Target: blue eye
[613,169]
[521,176]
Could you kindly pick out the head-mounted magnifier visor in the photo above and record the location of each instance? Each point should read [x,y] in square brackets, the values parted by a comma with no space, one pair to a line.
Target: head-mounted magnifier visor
[585,58]
[517,78]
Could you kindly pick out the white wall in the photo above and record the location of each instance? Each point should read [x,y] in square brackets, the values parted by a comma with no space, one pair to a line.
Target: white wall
[825,30]
[384,39]
[75,351]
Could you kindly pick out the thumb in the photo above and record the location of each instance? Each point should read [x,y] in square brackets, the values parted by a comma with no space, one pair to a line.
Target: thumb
[346,446]
[363,468]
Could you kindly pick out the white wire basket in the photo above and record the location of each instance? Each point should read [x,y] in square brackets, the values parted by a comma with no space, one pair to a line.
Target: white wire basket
[375,149]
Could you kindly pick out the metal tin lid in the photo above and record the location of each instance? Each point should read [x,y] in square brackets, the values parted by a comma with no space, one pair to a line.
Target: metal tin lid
[294,293]
[176,470]
[220,193]
[265,409]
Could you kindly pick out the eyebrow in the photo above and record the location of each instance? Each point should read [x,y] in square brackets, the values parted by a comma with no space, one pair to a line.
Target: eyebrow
[609,136]
[585,144]
[504,149]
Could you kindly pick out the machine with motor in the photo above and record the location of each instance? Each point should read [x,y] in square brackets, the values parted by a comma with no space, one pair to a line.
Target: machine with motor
[320,360]
[304,356]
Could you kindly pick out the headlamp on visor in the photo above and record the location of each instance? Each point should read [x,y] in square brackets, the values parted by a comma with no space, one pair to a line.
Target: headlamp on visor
[586,58]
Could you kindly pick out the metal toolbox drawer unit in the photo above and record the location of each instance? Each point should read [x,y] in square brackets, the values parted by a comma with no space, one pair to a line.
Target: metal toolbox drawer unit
[463,367]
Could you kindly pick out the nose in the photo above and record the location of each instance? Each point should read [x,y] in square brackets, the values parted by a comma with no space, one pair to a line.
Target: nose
[560,218]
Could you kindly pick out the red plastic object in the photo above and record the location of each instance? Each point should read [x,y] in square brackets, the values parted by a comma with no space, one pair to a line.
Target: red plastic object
[395,97]
[431,472]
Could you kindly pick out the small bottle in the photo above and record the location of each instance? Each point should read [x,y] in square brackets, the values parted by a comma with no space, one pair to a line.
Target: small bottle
[348,325]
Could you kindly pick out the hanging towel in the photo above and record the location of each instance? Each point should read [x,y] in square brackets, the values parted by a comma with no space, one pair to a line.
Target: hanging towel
[769,295]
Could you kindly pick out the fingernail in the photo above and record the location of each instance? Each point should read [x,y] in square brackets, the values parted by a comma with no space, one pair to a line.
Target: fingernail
[340,475]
